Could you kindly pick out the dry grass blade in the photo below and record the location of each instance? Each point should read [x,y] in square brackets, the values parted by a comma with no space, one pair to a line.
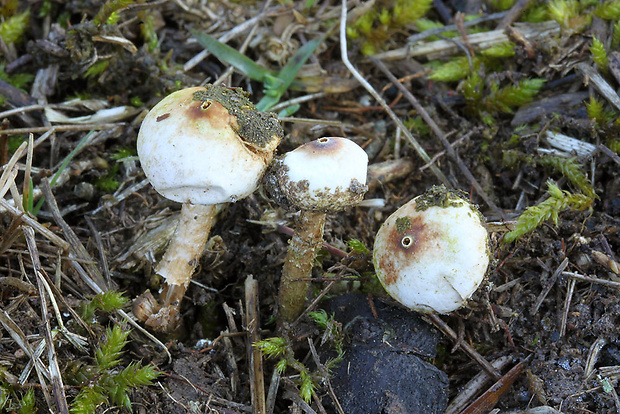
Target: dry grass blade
[479,41]
[55,373]
[78,251]
[20,339]
[414,143]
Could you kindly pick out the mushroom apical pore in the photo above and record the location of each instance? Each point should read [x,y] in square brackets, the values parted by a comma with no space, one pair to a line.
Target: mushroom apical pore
[431,254]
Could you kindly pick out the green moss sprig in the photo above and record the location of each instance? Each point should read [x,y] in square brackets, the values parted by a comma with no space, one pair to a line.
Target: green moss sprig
[487,100]
[597,112]
[12,29]
[107,302]
[358,247]
[599,54]
[12,401]
[570,14]
[380,22]
[572,170]
[104,381]
[608,10]
[615,36]
[550,208]
[279,347]
[108,13]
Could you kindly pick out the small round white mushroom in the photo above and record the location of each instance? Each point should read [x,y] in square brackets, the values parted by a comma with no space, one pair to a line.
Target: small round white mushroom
[431,254]
[325,175]
[201,147]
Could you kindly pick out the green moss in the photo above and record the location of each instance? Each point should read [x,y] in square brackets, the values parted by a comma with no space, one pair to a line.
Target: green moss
[378,25]
[503,50]
[105,380]
[599,54]
[550,208]
[403,224]
[608,10]
[454,70]
[108,13]
[572,170]
[597,112]
[12,29]
[569,14]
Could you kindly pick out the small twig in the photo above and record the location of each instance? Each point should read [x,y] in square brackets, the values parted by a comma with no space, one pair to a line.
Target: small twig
[608,283]
[473,387]
[469,350]
[593,354]
[77,249]
[487,401]
[600,84]
[567,300]
[44,231]
[513,14]
[255,357]
[102,255]
[273,391]
[345,59]
[548,286]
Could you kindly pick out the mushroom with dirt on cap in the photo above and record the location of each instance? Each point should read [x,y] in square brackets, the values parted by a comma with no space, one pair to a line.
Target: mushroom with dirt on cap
[203,147]
[323,176]
[431,254]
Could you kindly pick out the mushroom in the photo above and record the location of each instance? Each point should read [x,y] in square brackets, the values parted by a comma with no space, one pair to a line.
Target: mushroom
[431,254]
[202,147]
[323,176]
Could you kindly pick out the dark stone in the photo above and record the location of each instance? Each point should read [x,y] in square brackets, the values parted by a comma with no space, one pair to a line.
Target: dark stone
[386,366]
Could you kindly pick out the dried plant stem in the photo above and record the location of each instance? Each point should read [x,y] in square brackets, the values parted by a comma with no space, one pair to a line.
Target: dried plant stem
[252,325]
[302,250]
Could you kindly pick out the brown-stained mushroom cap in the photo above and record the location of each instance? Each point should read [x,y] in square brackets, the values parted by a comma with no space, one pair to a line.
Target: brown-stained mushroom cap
[207,145]
[325,175]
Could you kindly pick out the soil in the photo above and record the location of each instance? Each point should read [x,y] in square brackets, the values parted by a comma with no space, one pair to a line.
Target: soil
[548,305]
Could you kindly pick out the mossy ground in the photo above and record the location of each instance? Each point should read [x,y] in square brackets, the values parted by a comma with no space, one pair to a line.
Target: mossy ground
[132,54]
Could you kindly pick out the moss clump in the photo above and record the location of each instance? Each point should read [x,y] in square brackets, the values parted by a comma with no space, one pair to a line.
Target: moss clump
[255,127]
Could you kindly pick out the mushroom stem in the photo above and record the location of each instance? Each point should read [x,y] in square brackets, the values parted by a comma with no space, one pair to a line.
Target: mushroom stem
[184,251]
[177,267]
[296,272]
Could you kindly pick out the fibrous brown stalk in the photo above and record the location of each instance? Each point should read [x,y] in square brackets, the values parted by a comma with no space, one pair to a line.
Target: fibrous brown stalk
[302,250]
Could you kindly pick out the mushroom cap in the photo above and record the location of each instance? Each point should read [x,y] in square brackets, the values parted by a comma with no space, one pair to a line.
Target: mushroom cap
[207,145]
[431,254]
[324,175]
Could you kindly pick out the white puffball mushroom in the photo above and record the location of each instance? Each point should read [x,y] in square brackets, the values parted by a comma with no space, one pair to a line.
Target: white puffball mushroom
[327,175]
[431,254]
[199,145]
[202,147]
